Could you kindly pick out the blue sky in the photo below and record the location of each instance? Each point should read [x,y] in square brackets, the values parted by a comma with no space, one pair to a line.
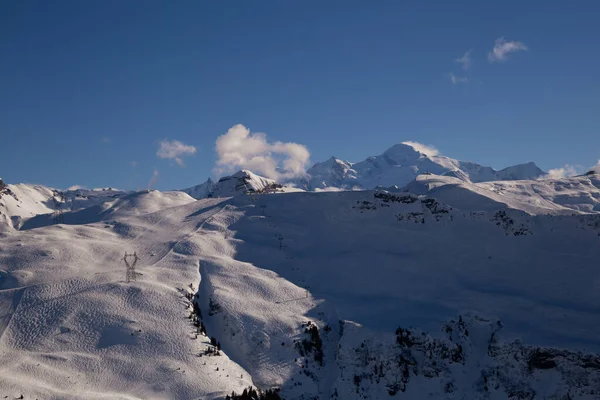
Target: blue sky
[89,89]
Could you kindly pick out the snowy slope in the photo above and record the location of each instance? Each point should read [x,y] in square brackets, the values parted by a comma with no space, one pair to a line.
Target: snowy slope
[331,173]
[23,201]
[400,164]
[70,327]
[554,196]
[135,203]
[241,182]
[305,292]
[201,191]
[374,261]
[19,202]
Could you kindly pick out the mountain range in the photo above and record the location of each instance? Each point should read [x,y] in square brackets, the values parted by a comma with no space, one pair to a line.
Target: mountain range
[231,185]
[397,166]
[402,163]
[448,285]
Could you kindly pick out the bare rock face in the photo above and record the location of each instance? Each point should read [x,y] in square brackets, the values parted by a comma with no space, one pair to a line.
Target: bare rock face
[470,360]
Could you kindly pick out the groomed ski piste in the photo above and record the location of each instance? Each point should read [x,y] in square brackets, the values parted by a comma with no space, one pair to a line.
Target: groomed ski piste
[346,295]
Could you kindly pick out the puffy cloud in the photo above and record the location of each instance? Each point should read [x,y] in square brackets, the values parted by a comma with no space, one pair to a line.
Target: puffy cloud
[502,48]
[337,189]
[75,187]
[465,60]
[563,172]
[241,149]
[428,150]
[175,150]
[596,167]
[329,189]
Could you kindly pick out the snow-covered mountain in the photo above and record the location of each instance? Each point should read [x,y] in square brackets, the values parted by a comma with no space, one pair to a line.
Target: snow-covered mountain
[443,288]
[201,191]
[243,181]
[344,295]
[402,163]
[578,194]
[21,202]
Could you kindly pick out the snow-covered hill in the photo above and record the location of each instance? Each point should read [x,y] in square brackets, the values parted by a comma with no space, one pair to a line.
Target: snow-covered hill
[241,182]
[344,295]
[400,164]
[71,327]
[372,262]
[579,194]
[18,202]
[23,201]
[201,191]
[124,205]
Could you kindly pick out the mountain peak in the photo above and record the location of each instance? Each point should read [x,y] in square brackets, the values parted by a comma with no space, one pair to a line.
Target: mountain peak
[231,185]
[402,154]
[403,148]
[401,163]
[331,161]
[242,173]
[520,171]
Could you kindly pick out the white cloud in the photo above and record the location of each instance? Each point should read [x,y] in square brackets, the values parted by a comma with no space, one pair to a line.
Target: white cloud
[596,167]
[241,149]
[563,172]
[76,187]
[337,189]
[153,179]
[329,189]
[175,150]
[465,60]
[428,150]
[502,48]
[458,79]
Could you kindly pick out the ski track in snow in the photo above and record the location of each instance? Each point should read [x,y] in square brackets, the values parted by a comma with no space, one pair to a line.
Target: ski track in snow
[264,266]
[55,298]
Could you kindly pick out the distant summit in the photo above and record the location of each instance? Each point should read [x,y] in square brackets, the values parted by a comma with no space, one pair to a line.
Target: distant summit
[402,163]
[396,166]
[243,181]
[202,190]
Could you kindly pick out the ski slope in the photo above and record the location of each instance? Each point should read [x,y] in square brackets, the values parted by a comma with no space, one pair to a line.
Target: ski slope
[270,273]
[72,328]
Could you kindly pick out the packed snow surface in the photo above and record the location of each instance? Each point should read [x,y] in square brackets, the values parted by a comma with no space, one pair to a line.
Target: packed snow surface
[22,201]
[346,295]
[579,194]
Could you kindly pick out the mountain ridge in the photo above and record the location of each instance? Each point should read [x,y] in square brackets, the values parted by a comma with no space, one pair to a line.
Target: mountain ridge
[240,182]
[400,164]
[344,295]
